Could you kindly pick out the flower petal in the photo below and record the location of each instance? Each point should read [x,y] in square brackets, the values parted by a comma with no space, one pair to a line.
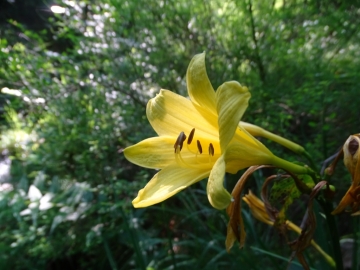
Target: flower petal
[350,196]
[232,101]
[240,155]
[345,201]
[167,183]
[218,196]
[155,153]
[169,114]
[199,86]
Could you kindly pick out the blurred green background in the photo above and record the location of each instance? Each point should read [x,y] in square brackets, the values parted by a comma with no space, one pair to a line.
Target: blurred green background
[74,90]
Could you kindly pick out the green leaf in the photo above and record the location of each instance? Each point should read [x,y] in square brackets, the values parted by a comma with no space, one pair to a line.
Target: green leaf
[284,191]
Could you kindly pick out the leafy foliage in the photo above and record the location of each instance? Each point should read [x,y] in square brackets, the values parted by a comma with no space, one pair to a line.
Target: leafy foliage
[284,191]
[83,81]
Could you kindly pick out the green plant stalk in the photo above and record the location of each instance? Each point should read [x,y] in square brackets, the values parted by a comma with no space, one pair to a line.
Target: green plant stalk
[292,167]
[334,236]
[311,161]
[135,241]
[109,255]
[169,241]
[330,219]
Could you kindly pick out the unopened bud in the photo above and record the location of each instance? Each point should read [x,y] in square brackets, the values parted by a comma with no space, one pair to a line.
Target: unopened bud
[351,152]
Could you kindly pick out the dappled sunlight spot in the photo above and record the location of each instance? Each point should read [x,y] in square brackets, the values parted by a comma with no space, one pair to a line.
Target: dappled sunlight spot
[5,165]
[57,9]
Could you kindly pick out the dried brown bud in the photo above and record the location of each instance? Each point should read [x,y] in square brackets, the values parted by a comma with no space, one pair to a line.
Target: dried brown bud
[352,163]
[351,152]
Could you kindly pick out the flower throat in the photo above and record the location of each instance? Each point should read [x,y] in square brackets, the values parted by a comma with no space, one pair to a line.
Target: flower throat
[179,143]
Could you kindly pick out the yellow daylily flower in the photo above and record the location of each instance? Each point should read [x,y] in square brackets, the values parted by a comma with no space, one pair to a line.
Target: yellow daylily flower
[198,137]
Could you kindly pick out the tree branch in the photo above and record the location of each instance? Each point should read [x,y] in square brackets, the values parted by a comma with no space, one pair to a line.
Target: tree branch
[257,53]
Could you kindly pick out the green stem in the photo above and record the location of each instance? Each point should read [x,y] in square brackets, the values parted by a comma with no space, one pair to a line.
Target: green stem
[169,240]
[309,158]
[334,236]
[139,257]
[292,167]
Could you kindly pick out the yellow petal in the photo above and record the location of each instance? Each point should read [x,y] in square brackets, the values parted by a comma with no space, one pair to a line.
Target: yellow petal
[218,196]
[350,196]
[199,87]
[169,114]
[239,156]
[154,153]
[257,208]
[167,183]
[232,101]
[345,201]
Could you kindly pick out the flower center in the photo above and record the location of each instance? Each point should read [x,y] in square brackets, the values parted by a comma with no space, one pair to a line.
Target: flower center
[194,156]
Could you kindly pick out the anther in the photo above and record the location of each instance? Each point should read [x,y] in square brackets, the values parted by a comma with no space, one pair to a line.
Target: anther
[211,149]
[180,141]
[191,136]
[199,146]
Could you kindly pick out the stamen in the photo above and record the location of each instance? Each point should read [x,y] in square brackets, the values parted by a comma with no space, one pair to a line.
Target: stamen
[190,163]
[211,149]
[185,164]
[199,146]
[191,136]
[180,141]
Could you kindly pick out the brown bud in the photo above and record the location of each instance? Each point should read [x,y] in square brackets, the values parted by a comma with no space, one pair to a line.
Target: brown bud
[353,146]
[351,152]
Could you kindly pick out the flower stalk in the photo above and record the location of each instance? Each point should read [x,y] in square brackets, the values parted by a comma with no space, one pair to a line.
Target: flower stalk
[258,210]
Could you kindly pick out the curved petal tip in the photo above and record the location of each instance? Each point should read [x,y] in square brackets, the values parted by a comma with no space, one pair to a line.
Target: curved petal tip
[218,196]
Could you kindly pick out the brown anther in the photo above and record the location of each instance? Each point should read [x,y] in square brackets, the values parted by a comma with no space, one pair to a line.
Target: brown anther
[211,149]
[180,141]
[191,136]
[353,146]
[199,146]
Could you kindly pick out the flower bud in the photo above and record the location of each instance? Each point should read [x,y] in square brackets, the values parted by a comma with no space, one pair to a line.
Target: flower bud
[352,163]
[351,153]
